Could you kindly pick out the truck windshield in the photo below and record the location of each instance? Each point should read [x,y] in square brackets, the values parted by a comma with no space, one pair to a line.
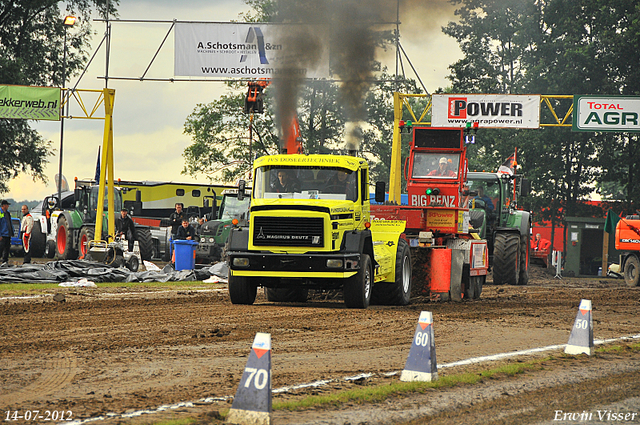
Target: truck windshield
[435,165]
[234,208]
[305,183]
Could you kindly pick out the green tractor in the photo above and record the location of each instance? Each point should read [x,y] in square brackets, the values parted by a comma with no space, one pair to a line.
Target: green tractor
[495,215]
[70,225]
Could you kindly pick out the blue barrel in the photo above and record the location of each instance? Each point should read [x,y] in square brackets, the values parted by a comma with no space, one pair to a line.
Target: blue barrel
[185,254]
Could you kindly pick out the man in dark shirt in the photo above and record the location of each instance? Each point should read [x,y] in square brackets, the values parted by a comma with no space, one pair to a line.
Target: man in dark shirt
[126,228]
[185,231]
[286,183]
[6,232]
[176,219]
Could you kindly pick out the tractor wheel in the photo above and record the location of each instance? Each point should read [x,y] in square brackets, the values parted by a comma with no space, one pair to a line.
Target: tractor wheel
[357,289]
[398,293]
[524,260]
[506,261]
[632,271]
[86,235]
[287,295]
[242,290]
[145,241]
[50,249]
[64,241]
[38,240]
[478,283]
[133,264]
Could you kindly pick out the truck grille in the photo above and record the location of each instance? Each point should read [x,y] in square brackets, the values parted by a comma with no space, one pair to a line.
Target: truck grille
[288,231]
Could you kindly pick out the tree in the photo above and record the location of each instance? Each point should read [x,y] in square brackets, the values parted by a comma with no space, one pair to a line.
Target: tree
[31,51]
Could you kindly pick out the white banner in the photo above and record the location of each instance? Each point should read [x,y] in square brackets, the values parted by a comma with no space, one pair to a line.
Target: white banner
[238,51]
[488,110]
[606,113]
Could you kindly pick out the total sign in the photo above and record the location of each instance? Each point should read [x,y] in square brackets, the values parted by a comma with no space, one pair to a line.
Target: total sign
[610,113]
[488,110]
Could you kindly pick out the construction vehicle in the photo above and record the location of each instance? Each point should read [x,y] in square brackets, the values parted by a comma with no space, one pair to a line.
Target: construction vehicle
[450,259]
[499,220]
[316,235]
[628,242]
[65,227]
[214,233]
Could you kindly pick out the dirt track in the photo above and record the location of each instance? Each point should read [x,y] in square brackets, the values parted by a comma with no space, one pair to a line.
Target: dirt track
[119,350]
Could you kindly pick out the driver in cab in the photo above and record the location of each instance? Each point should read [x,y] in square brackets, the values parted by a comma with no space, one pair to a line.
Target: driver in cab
[285,183]
[443,169]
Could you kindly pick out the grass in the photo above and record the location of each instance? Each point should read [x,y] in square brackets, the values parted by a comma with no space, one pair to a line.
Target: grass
[12,289]
[382,392]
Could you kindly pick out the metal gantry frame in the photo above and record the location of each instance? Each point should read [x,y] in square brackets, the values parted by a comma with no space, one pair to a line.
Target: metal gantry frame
[105,97]
[401,101]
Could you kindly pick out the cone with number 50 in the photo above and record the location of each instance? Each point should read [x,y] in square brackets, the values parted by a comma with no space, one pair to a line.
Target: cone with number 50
[252,403]
[421,363]
[581,338]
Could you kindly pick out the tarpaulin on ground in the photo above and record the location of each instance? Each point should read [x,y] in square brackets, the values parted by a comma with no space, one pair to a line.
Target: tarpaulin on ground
[67,270]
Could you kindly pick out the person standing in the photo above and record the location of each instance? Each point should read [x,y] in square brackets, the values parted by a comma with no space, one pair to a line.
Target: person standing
[26,226]
[6,232]
[176,218]
[126,228]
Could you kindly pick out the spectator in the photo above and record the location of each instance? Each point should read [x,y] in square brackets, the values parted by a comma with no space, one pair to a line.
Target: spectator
[126,228]
[539,243]
[186,231]
[443,169]
[26,226]
[286,183]
[6,232]
[176,219]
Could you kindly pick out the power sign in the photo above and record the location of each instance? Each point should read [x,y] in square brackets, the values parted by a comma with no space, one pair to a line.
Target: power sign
[488,110]
[606,113]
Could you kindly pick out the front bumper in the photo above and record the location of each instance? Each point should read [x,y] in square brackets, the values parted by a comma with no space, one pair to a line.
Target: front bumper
[310,265]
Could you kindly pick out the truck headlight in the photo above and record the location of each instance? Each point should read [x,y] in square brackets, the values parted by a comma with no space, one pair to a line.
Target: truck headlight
[241,262]
[211,240]
[334,264]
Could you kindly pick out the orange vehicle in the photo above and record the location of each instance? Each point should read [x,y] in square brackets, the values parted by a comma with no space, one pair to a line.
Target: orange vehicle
[628,241]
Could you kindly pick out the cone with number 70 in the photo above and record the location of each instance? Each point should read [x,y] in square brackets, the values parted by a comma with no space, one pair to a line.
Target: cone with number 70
[421,364]
[581,338]
[252,403]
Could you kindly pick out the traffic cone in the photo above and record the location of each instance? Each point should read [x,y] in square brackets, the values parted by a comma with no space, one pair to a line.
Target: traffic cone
[421,363]
[581,338]
[252,403]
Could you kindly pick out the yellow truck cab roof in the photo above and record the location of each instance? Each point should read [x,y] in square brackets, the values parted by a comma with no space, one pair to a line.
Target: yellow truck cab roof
[316,160]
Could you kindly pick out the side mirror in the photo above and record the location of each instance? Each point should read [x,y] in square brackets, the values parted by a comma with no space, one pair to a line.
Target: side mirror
[241,185]
[380,192]
[525,187]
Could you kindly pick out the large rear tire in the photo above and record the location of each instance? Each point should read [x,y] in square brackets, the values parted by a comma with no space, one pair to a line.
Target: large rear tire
[506,259]
[86,235]
[632,271]
[398,293]
[64,241]
[287,295]
[38,240]
[357,289]
[145,241]
[242,290]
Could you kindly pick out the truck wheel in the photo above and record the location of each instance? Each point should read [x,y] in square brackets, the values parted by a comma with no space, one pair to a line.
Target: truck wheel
[287,295]
[86,235]
[357,289]
[38,240]
[506,261]
[524,260]
[632,271]
[242,290]
[477,282]
[145,241]
[398,293]
[64,241]
[50,249]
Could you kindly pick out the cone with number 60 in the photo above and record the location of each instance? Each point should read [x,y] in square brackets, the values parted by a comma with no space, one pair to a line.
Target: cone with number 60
[421,363]
[252,403]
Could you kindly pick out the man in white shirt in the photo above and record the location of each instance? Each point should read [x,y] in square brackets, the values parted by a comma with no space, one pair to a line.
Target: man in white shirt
[26,226]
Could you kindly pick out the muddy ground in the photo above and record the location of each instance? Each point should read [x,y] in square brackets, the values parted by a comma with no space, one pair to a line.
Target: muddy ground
[120,350]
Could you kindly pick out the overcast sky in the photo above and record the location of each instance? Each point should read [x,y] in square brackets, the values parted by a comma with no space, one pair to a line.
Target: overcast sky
[149,116]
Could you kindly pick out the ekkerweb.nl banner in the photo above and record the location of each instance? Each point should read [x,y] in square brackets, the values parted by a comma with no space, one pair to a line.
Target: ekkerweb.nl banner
[488,110]
[240,51]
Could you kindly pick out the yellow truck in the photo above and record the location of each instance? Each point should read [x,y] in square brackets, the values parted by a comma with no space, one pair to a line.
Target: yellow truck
[310,228]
